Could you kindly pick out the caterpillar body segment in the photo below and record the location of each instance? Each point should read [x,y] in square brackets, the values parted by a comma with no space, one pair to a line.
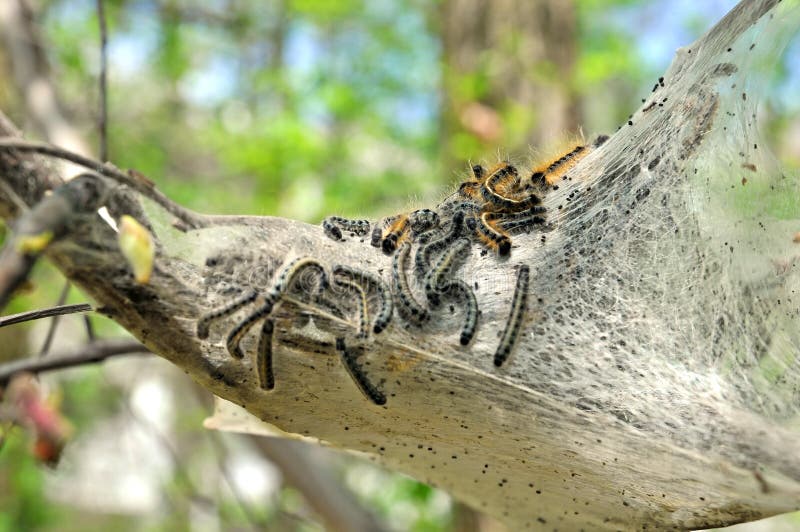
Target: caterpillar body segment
[379,229]
[276,291]
[423,220]
[423,258]
[550,172]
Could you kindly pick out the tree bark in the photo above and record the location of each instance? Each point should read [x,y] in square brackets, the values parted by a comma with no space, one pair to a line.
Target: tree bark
[615,411]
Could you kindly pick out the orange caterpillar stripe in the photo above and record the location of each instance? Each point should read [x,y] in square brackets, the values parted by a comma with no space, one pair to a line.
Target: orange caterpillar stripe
[395,233]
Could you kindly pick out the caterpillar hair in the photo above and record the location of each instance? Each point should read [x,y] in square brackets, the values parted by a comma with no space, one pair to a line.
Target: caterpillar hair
[266,378]
[356,372]
[204,323]
[493,237]
[518,307]
[459,288]
[412,310]
[385,309]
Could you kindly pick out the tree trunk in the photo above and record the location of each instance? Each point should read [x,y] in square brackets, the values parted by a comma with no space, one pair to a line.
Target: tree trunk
[655,379]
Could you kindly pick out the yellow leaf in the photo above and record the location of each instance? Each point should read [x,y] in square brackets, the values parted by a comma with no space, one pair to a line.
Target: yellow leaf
[137,247]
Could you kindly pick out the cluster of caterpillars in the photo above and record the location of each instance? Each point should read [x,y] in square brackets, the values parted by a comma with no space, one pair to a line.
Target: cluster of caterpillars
[488,208]
[319,287]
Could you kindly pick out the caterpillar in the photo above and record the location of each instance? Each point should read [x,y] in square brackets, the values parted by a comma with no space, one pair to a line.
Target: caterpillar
[395,233]
[470,307]
[441,270]
[204,323]
[385,310]
[356,372]
[422,260]
[423,220]
[412,310]
[334,225]
[502,173]
[266,378]
[551,171]
[494,238]
[518,307]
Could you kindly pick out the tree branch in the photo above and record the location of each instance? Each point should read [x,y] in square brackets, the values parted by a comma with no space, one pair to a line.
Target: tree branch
[91,353]
[636,395]
[59,310]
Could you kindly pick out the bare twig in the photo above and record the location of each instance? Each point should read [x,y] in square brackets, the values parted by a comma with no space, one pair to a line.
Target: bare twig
[87,354]
[51,331]
[133,179]
[102,125]
[44,313]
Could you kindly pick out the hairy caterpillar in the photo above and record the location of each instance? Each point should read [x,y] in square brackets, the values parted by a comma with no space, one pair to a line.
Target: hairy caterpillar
[518,307]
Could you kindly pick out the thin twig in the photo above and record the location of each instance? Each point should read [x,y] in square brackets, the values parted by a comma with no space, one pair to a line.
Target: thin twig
[86,354]
[51,331]
[44,313]
[102,125]
[133,179]
[102,119]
